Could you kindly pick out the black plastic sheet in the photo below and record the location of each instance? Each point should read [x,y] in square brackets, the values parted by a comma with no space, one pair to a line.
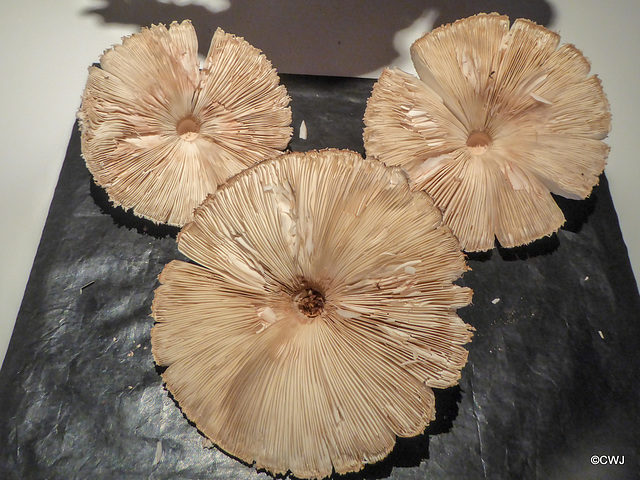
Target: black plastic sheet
[551,379]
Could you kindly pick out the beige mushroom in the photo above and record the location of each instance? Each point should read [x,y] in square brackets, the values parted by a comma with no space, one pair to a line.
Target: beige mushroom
[500,117]
[319,313]
[159,133]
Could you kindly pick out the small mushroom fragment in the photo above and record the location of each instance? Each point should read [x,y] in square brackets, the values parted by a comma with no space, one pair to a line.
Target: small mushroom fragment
[159,133]
[499,118]
[318,314]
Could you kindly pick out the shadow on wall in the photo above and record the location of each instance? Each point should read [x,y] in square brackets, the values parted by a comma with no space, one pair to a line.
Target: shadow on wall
[320,37]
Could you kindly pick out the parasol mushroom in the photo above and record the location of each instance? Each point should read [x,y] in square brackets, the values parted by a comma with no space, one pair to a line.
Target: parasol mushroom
[500,118]
[319,313]
[159,133]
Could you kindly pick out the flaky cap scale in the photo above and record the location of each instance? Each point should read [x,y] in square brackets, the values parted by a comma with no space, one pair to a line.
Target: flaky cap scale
[159,133]
[319,312]
[500,118]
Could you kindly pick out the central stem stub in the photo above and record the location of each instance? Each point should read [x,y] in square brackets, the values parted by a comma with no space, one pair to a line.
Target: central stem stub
[310,302]
[478,143]
[188,128]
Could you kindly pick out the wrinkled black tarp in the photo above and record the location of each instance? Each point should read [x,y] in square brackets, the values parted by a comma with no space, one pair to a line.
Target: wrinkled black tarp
[552,377]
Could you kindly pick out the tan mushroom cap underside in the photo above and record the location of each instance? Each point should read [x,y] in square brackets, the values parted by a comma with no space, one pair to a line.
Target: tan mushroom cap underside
[500,118]
[159,133]
[318,314]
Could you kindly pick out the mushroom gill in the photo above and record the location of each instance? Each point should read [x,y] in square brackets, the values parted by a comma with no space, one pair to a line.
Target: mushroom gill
[500,118]
[159,133]
[308,333]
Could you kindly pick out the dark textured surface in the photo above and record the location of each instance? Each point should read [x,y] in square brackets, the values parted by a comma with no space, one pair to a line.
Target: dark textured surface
[551,378]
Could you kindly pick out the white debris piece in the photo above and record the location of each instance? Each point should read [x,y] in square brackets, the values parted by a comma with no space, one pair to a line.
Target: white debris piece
[540,99]
[303,130]
[158,457]
[495,300]
[207,443]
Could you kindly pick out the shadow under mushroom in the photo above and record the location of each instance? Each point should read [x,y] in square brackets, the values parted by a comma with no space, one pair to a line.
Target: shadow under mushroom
[330,37]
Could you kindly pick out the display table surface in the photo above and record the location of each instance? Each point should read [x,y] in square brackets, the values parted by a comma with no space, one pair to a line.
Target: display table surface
[552,377]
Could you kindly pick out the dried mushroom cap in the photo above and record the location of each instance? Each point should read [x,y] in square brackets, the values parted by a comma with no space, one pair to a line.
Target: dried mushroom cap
[309,332]
[159,133]
[499,118]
